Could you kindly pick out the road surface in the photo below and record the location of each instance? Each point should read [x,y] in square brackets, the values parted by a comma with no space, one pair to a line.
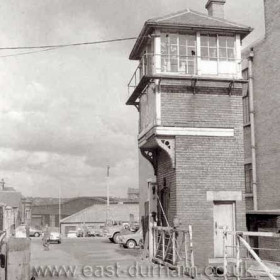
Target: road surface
[89,258]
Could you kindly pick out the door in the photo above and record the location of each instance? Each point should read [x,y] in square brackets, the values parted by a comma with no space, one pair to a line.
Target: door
[224,216]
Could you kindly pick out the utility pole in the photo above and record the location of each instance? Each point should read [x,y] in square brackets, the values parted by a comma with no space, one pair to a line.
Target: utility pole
[108,193]
[2,184]
[59,206]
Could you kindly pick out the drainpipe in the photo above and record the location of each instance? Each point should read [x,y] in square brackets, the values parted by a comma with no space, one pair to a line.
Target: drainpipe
[252,121]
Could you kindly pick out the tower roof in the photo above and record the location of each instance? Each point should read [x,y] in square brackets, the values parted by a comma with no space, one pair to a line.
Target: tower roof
[187,20]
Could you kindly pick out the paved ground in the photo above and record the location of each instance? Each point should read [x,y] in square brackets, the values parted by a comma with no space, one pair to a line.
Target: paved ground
[89,258]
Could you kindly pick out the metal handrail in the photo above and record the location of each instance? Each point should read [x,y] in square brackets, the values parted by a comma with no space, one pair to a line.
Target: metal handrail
[149,66]
[2,236]
[241,241]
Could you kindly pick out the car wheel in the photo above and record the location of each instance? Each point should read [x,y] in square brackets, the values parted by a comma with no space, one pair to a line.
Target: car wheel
[37,234]
[130,244]
[58,242]
[116,237]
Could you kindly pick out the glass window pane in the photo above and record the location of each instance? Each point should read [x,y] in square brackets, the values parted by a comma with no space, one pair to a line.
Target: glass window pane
[164,64]
[173,50]
[213,52]
[182,40]
[191,51]
[204,41]
[174,64]
[164,44]
[191,40]
[164,49]
[230,42]
[191,69]
[212,41]
[173,39]
[182,51]
[204,52]
[222,41]
[164,39]
[231,53]
[222,53]
[182,65]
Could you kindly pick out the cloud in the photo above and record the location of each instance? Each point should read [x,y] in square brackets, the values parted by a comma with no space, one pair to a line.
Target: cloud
[62,113]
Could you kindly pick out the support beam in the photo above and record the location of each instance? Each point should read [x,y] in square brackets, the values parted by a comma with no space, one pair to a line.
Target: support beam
[168,145]
[150,155]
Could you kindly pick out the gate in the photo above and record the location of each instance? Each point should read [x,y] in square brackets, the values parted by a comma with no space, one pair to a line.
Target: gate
[250,261]
[173,247]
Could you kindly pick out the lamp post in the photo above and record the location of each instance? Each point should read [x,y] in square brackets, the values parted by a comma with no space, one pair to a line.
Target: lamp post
[59,206]
[108,193]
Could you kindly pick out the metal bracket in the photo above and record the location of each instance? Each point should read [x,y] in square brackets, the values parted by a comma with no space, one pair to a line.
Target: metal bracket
[230,87]
[137,106]
[150,155]
[193,85]
[168,145]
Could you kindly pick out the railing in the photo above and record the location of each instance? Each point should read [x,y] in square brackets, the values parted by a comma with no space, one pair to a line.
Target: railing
[245,253]
[2,236]
[159,64]
[173,247]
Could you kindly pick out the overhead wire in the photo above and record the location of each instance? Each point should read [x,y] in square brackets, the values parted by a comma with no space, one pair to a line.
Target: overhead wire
[45,48]
[25,53]
[69,45]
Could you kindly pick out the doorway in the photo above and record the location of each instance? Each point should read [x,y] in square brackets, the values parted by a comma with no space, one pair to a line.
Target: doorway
[224,216]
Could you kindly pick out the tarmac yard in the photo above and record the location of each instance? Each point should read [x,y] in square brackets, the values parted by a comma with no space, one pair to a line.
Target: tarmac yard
[89,258]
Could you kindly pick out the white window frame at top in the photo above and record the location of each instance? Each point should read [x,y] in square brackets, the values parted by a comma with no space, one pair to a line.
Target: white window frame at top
[218,58]
[169,55]
[198,35]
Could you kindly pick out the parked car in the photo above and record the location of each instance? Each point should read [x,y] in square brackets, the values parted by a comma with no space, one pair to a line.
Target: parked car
[91,232]
[113,232]
[99,232]
[20,232]
[34,232]
[72,234]
[55,237]
[80,233]
[132,240]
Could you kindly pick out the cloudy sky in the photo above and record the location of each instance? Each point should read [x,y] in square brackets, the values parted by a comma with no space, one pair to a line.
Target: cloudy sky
[62,113]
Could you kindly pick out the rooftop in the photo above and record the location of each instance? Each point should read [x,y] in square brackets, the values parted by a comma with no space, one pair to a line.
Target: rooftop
[10,198]
[187,20]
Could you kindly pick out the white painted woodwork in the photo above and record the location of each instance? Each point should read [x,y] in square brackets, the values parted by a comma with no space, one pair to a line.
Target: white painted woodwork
[224,216]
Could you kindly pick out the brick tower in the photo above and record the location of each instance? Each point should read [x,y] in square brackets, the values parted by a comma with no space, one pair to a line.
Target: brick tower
[188,91]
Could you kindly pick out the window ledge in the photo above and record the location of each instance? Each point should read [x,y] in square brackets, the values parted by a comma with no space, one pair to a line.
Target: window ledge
[248,194]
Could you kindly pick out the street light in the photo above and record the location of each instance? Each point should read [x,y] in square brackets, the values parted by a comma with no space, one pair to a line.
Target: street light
[108,193]
[59,206]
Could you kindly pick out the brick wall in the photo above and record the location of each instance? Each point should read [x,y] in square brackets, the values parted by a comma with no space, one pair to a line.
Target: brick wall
[181,107]
[165,170]
[146,172]
[269,243]
[203,163]
[267,108]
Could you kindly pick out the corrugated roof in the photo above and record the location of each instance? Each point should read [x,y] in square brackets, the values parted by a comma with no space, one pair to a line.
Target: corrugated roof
[10,198]
[188,19]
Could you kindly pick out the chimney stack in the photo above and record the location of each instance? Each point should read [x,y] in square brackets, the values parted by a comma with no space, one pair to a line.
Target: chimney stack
[216,8]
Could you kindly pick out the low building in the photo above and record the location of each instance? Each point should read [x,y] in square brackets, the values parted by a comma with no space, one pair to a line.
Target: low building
[45,211]
[95,216]
[133,194]
[10,210]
